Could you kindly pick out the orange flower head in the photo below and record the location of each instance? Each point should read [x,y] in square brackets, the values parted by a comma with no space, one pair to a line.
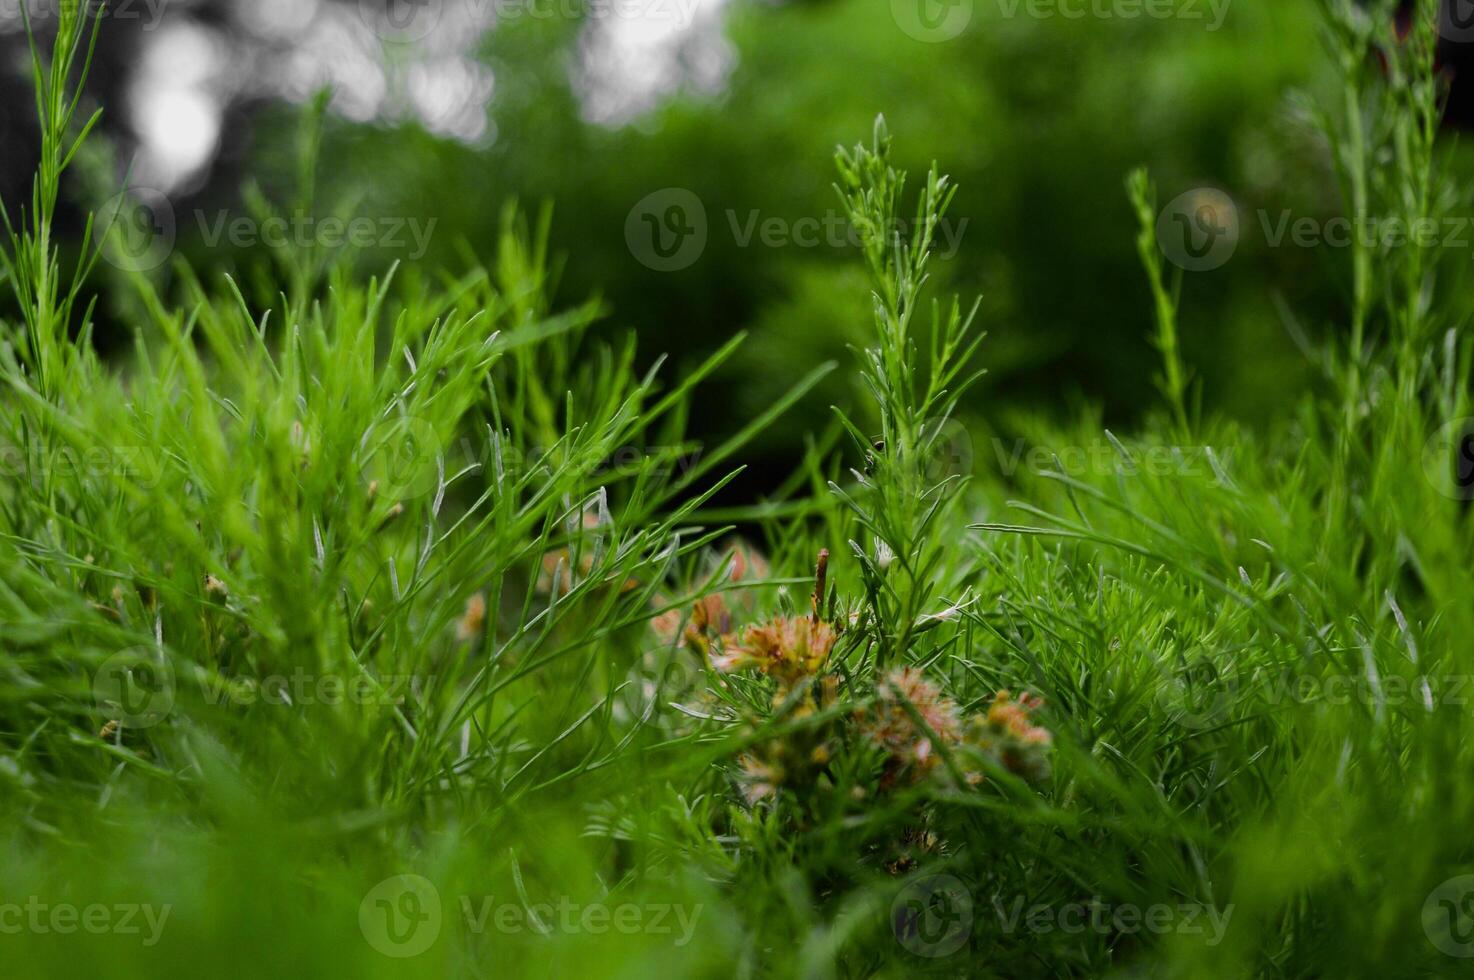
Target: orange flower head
[788,649]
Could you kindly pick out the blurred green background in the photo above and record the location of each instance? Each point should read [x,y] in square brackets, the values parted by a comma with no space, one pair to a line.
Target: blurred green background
[1036,114]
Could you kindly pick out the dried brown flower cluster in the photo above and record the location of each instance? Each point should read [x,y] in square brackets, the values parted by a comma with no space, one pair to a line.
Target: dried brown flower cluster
[891,726]
[911,716]
[801,757]
[914,724]
[786,649]
[1008,734]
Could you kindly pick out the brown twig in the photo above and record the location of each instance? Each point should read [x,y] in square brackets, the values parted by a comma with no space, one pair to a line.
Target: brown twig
[821,573]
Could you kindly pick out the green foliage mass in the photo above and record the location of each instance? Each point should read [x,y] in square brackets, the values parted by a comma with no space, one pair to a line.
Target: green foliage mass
[354,578]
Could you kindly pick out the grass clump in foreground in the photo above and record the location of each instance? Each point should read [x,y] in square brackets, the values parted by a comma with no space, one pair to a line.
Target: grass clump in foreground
[332,644]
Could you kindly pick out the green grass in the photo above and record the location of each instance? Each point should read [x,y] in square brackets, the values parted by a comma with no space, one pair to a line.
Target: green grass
[390,577]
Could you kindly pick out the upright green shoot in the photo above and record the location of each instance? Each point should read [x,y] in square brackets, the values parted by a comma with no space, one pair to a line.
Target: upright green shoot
[31,264]
[908,486]
[1173,381]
